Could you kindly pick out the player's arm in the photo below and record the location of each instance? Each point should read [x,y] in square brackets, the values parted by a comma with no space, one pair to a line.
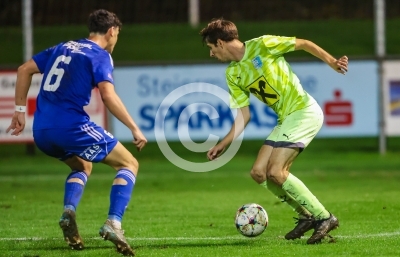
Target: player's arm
[241,121]
[339,65]
[24,80]
[114,104]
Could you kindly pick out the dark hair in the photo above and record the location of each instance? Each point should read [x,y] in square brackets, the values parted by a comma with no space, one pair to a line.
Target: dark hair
[101,20]
[219,29]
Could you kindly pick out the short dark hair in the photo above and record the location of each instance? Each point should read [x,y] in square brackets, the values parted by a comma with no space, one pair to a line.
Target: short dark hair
[100,21]
[219,29]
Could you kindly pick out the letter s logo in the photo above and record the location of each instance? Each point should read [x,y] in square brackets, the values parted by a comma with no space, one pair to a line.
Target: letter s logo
[338,112]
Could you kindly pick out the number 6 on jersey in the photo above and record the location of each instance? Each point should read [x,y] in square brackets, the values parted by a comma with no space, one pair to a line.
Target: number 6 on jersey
[59,72]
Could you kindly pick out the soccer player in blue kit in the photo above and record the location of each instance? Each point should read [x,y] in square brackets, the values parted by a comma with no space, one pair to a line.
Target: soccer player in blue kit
[62,129]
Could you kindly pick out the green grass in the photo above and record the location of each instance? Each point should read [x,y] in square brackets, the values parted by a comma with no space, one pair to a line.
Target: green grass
[171,43]
[178,213]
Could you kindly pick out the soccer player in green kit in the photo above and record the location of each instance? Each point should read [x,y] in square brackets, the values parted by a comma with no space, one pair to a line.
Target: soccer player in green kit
[257,66]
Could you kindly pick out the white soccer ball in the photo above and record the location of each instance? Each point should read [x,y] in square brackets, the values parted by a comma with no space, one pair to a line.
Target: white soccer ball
[251,220]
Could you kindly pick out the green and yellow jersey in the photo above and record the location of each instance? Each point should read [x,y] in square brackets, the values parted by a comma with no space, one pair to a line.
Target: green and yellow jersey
[264,72]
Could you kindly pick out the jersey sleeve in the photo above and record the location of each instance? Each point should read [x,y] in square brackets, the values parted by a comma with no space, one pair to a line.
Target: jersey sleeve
[42,58]
[238,98]
[102,69]
[277,45]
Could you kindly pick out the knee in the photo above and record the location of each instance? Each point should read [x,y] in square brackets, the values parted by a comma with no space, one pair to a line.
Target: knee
[131,164]
[258,174]
[134,164]
[275,174]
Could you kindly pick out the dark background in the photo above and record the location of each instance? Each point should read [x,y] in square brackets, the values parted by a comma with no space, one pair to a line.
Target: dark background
[56,12]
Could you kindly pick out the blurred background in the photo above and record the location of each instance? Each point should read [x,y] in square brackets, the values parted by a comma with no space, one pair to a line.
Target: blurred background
[159,50]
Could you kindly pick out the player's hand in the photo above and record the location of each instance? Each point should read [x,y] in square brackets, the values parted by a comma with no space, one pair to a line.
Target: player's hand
[215,152]
[17,124]
[340,65]
[139,139]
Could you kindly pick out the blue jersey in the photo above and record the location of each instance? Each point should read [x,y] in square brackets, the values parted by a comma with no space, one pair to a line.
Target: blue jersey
[70,71]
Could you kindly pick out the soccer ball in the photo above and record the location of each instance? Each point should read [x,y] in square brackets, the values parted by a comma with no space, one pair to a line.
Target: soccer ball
[251,220]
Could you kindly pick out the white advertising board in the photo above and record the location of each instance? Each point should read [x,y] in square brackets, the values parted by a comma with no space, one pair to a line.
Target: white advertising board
[95,109]
[391,83]
[350,102]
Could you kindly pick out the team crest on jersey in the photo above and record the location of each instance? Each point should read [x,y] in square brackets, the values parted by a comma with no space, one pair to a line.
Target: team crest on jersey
[76,47]
[257,63]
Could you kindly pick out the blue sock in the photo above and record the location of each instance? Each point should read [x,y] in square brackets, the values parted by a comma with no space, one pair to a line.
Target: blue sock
[74,190]
[121,194]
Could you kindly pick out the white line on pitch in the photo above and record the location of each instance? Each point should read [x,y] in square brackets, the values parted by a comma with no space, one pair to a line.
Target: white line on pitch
[371,235]
[194,238]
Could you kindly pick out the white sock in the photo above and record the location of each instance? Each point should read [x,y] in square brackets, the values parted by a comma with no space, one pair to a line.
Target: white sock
[116,224]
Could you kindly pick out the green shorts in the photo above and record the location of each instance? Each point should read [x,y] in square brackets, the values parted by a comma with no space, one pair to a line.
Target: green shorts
[297,129]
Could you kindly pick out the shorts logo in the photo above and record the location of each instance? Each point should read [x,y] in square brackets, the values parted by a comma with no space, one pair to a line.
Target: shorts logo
[108,134]
[257,63]
[91,152]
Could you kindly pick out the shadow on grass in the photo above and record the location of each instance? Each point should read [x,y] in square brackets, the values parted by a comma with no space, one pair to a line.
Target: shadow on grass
[255,241]
[180,244]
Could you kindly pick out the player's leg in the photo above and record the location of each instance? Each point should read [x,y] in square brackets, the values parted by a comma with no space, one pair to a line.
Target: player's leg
[76,181]
[50,142]
[127,167]
[278,173]
[259,174]
[304,222]
[74,186]
[98,145]
[297,131]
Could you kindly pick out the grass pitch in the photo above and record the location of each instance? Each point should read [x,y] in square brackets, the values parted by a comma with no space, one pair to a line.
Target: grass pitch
[178,213]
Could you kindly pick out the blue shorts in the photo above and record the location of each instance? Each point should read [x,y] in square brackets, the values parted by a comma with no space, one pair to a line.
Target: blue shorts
[89,142]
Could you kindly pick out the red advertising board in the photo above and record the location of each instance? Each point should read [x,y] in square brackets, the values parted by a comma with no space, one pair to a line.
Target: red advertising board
[95,109]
